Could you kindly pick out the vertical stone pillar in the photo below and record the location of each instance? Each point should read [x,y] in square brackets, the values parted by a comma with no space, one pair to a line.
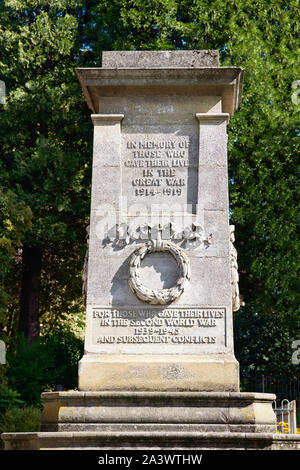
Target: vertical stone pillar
[212,169]
[105,199]
[213,197]
[159,312]
[106,178]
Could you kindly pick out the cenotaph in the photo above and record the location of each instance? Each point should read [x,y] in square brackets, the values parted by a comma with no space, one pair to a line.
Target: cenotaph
[159,371]
[159,308]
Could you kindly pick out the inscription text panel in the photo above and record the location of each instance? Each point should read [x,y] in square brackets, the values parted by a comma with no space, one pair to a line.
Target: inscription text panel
[157,330]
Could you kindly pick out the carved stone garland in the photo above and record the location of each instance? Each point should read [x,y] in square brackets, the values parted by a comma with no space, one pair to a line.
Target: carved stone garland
[158,296]
[236,301]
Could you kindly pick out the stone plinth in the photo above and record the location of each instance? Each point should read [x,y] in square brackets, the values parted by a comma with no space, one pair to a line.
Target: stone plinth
[158,411]
[111,440]
[155,420]
[159,372]
[160,59]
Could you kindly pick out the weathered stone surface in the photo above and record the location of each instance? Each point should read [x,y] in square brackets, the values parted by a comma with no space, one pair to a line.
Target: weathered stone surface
[160,158]
[155,420]
[141,440]
[159,372]
[162,59]
[170,409]
[224,82]
[162,107]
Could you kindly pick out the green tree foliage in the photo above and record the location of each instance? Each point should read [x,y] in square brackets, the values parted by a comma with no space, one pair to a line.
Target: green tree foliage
[50,360]
[45,133]
[15,219]
[263,344]
[26,419]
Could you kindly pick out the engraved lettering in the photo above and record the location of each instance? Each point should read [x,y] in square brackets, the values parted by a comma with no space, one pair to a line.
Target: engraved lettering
[176,153]
[167,156]
[146,182]
[174,326]
[166,172]
[175,181]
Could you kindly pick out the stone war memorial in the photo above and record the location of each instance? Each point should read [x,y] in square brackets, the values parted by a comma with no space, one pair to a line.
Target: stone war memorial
[159,370]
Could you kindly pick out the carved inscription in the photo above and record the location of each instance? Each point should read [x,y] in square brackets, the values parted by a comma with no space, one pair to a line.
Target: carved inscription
[173,326]
[159,163]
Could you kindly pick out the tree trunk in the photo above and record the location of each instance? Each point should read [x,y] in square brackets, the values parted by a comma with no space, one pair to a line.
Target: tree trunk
[31,284]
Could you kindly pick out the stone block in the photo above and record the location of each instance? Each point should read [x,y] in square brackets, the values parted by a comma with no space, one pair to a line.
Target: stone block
[165,59]
[165,372]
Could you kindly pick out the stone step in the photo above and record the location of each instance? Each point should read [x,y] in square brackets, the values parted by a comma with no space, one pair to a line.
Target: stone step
[150,440]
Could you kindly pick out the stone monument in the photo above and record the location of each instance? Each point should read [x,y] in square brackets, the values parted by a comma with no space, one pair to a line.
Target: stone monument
[159,308]
[159,369]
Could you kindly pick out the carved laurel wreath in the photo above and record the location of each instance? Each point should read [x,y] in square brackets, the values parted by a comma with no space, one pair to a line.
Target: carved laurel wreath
[158,296]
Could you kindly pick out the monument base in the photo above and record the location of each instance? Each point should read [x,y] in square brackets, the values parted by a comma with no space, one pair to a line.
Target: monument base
[150,441]
[155,420]
[218,373]
[158,411]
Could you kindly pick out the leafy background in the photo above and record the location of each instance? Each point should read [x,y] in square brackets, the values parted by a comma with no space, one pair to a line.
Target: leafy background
[45,173]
